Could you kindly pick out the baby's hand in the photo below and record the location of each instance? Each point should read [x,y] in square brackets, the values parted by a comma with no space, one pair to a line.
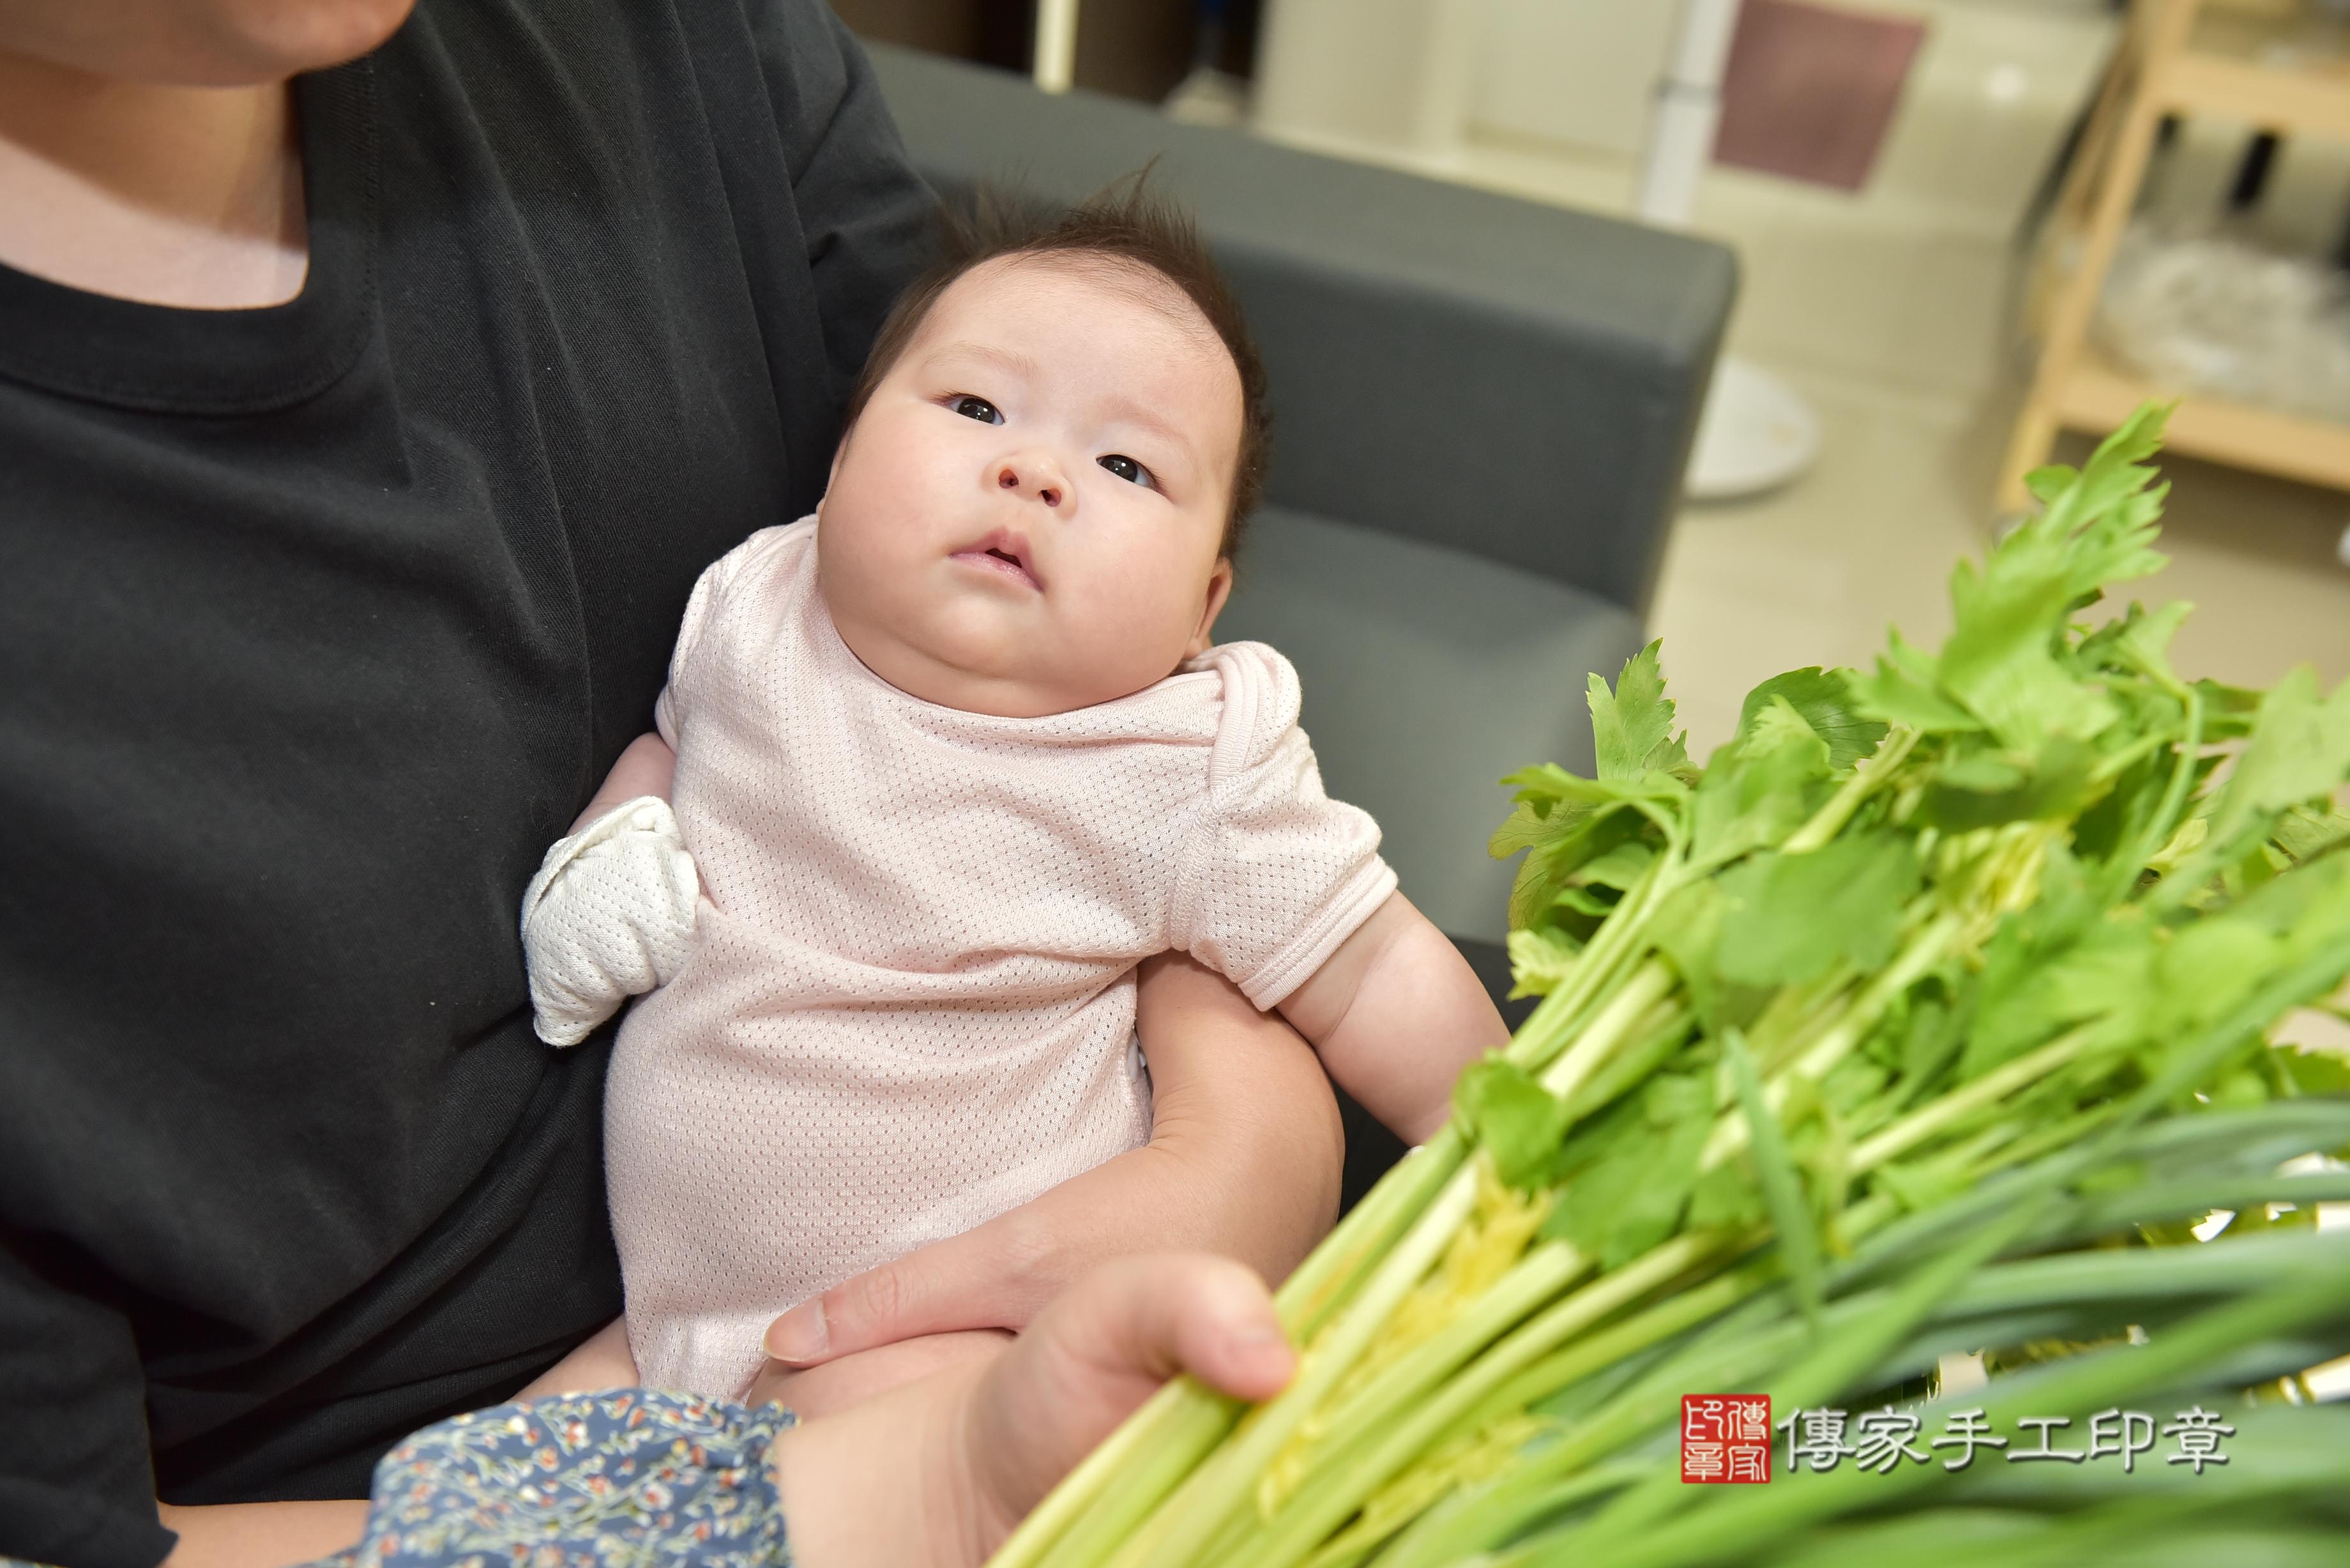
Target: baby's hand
[610,916]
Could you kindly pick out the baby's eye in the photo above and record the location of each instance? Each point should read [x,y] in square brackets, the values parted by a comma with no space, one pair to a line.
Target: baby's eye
[1126,468]
[978,408]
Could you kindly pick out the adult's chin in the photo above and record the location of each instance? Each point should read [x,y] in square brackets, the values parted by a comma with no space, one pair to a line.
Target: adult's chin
[198,43]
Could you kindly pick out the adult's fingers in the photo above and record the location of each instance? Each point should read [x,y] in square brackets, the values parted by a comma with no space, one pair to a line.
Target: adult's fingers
[984,1278]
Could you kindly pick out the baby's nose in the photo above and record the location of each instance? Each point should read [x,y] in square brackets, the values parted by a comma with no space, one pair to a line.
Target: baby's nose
[1041,481]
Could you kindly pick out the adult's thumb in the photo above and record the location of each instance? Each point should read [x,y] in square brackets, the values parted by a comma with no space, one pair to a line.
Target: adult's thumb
[1154,1316]
[1093,1356]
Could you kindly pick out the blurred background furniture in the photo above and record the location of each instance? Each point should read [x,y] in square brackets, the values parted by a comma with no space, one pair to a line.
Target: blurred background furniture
[1132,48]
[1756,432]
[1482,409]
[2240,61]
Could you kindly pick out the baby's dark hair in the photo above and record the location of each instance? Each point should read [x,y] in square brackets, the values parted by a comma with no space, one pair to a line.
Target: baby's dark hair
[1125,224]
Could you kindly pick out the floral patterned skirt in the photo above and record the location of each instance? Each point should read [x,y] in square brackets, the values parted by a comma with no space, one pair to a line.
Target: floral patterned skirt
[592,1480]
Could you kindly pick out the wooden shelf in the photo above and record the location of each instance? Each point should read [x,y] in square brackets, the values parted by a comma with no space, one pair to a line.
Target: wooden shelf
[2282,72]
[2288,102]
[2099,395]
[2277,72]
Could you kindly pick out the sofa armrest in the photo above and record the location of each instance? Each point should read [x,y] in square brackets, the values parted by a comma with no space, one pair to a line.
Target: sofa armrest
[1515,381]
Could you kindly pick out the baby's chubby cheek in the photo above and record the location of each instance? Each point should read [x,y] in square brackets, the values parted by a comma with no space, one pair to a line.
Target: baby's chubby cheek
[862,564]
[1154,613]
[1142,623]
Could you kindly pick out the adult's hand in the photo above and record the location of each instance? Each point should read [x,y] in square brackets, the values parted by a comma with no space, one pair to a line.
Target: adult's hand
[936,1474]
[1244,1161]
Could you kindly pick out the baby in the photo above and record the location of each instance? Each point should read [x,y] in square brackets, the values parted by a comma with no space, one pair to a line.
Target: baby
[952,758]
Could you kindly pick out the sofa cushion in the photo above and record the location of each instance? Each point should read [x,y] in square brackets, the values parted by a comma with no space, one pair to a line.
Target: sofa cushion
[1429,674]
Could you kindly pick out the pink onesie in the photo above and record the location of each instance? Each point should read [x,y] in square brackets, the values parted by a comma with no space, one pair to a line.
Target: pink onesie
[910,1005]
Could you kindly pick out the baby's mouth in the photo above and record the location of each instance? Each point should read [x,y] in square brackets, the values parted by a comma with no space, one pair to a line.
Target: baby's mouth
[1006,553]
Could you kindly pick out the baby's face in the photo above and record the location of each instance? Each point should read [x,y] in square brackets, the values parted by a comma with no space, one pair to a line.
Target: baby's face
[1025,518]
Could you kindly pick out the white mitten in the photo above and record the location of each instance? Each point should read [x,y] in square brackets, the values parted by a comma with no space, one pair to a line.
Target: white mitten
[608,916]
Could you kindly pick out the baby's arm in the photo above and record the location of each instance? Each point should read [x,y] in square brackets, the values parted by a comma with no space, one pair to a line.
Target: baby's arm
[1396,1013]
[601,1361]
[644,769]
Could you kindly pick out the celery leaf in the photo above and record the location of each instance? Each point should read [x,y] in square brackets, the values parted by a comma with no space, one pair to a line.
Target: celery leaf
[1517,1120]
[2300,750]
[1632,726]
[1788,918]
[1754,791]
[1824,699]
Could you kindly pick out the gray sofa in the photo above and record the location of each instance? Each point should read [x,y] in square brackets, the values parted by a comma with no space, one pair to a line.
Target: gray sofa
[1482,410]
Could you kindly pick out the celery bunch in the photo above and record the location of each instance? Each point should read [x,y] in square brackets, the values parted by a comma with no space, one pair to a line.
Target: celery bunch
[1930,973]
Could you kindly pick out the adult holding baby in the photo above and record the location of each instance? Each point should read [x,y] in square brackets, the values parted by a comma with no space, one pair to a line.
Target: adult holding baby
[362,430]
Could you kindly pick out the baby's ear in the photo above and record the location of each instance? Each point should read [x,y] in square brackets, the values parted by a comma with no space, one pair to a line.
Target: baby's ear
[1219,588]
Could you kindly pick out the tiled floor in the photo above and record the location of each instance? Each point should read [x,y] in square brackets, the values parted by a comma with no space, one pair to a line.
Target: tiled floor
[1891,310]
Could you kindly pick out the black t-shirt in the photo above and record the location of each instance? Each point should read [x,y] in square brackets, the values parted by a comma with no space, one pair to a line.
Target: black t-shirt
[318,623]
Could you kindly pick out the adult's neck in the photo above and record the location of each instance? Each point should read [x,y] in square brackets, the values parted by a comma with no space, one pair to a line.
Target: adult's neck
[173,195]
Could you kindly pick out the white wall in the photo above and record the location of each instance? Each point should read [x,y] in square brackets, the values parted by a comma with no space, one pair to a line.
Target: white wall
[1574,71]
[1490,89]
[1388,75]
[1413,77]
